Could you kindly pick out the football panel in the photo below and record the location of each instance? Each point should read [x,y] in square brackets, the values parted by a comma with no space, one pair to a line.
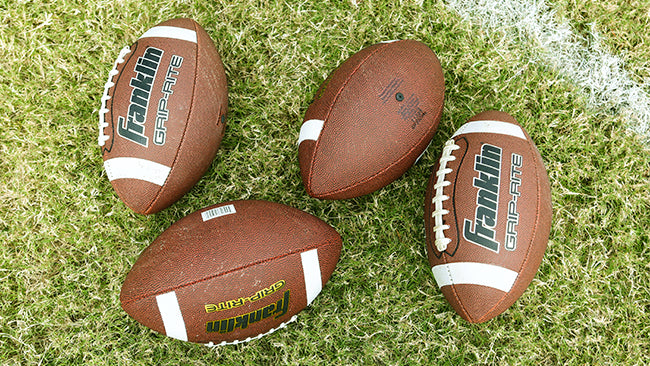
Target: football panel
[153,88]
[144,311]
[329,90]
[305,152]
[320,108]
[136,194]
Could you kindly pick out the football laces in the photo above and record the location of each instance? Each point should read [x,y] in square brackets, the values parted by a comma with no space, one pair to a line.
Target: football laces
[109,84]
[441,241]
[224,343]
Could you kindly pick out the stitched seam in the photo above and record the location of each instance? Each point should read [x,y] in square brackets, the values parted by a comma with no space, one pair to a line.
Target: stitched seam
[189,113]
[329,112]
[156,293]
[453,291]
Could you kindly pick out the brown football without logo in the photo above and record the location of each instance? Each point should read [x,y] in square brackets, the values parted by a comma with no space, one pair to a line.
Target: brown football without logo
[371,119]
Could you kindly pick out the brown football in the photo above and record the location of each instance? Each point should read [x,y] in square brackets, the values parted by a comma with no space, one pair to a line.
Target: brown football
[371,119]
[487,215]
[231,272]
[162,116]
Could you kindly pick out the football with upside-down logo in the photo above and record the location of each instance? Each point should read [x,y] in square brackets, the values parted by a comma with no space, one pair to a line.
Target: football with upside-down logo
[487,215]
[162,116]
[231,272]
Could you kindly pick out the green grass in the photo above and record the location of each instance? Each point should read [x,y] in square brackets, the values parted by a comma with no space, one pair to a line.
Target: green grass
[66,241]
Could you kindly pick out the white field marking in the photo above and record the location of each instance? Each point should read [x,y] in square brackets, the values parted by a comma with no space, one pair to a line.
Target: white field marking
[586,62]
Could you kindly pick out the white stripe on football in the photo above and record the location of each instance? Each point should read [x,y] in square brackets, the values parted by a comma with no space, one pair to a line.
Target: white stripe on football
[502,128]
[310,130]
[135,168]
[171,315]
[469,273]
[311,270]
[171,32]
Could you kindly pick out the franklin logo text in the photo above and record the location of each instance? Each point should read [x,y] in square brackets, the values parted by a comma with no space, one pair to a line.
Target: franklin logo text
[275,310]
[259,295]
[132,127]
[516,163]
[481,230]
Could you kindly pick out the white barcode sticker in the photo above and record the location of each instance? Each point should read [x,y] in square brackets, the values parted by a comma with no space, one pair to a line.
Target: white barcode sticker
[218,212]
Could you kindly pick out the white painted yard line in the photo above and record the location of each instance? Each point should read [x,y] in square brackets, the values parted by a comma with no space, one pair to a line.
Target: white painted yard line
[585,62]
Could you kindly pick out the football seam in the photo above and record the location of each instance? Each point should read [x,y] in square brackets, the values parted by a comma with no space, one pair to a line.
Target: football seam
[189,113]
[329,112]
[156,293]
[526,258]
[382,171]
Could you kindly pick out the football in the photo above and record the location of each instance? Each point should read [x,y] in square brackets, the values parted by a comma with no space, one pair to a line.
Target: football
[231,272]
[487,216]
[371,119]
[162,115]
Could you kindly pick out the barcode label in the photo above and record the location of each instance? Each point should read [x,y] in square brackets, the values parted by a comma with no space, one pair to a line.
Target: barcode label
[218,212]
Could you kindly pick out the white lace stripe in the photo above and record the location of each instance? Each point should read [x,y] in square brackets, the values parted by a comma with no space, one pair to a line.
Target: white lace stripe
[470,273]
[171,315]
[311,272]
[135,168]
[310,130]
[503,128]
[164,31]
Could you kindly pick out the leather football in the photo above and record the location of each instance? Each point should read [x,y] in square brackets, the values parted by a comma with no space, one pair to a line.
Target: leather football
[371,119]
[487,216]
[231,272]
[162,116]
